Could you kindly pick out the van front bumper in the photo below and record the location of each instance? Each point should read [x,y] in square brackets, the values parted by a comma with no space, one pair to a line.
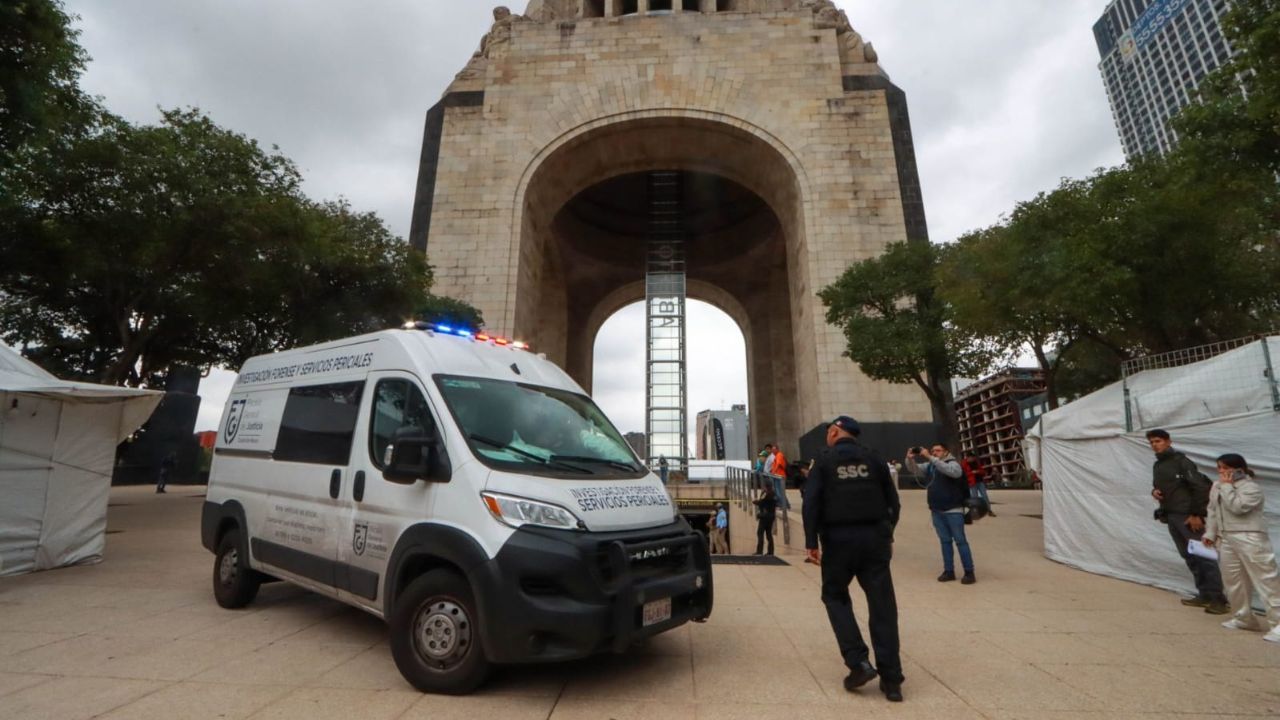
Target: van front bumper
[553,595]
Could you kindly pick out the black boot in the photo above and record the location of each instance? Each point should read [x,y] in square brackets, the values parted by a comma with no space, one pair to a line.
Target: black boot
[892,691]
[860,676]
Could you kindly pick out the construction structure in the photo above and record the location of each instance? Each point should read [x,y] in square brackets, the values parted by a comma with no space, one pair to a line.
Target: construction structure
[989,416]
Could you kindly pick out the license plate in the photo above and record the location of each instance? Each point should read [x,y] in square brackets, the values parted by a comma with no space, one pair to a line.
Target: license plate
[657,611]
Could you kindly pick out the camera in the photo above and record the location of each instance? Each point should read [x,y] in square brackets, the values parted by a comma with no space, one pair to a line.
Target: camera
[1161,516]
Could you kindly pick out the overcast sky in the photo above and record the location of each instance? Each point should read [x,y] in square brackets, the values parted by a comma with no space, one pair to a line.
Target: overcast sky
[1005,100]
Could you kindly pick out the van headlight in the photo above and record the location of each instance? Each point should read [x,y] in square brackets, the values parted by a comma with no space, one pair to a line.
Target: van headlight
[517,511]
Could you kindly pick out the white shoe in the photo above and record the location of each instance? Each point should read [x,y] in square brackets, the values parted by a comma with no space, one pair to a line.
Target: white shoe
[1235,624]
[1273,636]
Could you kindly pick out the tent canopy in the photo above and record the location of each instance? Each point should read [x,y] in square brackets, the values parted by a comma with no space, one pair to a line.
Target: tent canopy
[57,451]
[1096,473]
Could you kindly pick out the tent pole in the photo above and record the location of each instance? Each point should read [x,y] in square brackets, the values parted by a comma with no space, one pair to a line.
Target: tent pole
[1271,375]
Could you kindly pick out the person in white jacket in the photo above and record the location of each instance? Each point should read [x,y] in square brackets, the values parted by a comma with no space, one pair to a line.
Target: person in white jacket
[1235,525]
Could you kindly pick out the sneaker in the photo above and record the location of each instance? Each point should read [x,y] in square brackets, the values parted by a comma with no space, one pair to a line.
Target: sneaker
[947,576]
[860,676]
[1237,624]
[968,579]
[1273,636]
[1218,608]
[1197,601]
[892,691]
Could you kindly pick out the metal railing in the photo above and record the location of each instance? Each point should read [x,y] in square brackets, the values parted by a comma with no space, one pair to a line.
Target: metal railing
[745,485]
[1152,399]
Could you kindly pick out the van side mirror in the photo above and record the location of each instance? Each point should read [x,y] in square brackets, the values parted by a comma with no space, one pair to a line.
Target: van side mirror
[418,454]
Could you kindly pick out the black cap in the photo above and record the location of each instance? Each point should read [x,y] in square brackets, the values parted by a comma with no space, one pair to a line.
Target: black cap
[848,424]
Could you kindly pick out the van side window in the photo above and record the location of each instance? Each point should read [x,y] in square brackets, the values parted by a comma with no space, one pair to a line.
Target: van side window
[398,409]
[319,424]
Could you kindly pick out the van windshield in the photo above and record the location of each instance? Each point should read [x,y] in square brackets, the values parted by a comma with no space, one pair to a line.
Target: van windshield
[527,428]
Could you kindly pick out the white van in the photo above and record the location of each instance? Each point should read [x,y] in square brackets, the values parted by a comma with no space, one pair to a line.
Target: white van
[458,486]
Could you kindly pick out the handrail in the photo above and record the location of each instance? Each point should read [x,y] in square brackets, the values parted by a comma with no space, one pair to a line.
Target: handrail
[744,484]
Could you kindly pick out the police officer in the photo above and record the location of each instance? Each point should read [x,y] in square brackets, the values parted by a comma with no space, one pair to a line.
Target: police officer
[851,505]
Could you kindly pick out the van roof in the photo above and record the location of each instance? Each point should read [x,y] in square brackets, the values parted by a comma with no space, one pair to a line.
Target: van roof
[421,351]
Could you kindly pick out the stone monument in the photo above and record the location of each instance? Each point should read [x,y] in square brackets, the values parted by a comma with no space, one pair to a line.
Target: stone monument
[796,160]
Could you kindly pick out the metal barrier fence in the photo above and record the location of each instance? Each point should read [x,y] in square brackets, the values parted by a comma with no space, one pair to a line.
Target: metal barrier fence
[1150,400]
[744,485]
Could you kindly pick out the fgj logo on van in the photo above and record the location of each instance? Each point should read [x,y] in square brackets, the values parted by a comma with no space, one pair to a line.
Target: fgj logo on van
[233,420]
[360,539]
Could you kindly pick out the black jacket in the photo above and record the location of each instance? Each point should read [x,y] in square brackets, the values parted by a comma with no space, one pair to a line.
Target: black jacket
[848,485]
[1185,488]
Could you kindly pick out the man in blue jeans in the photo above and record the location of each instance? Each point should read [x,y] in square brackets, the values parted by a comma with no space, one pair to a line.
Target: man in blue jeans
[947,490]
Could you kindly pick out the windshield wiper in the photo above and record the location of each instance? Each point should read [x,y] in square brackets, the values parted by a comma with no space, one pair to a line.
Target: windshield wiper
[603,461]
[532,456]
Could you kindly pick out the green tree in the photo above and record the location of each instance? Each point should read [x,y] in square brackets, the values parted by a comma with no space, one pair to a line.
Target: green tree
[185,243]
[897,331]
[40,66]
[1230,126]
[1162,255]
[450,311]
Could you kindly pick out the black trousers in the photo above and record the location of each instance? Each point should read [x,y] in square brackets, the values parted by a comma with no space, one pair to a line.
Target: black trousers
[862,552]
[764,529]
[1205,571]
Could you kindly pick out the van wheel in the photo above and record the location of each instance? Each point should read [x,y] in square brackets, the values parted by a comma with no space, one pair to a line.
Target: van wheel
[234,583]
[435,635]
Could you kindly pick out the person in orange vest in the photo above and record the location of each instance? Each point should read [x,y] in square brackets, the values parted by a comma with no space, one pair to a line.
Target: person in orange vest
[776,465]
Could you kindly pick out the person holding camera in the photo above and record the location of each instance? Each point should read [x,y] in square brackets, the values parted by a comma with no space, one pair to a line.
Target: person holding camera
[1183,493]
[851,506]
[947,490]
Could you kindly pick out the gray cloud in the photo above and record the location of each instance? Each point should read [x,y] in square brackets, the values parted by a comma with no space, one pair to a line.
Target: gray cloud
[1005,100]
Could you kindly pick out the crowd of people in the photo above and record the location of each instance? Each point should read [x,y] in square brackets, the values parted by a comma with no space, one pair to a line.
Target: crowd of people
[851,509]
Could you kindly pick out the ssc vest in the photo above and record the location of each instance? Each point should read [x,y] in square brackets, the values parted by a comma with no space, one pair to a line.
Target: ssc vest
[853,488]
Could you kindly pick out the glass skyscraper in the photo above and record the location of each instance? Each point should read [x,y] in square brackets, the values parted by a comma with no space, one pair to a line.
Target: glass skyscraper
[1155,53]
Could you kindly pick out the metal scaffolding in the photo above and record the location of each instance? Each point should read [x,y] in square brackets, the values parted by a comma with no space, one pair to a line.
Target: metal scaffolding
[666,390]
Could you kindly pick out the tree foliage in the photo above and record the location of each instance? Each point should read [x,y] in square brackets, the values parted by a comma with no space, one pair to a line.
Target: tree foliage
[185,243]
[40,66]
[896,331]
[449,311]
[1237,118]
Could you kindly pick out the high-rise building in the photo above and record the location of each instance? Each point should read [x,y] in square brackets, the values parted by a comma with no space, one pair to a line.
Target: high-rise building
[723,434]
[1155,53]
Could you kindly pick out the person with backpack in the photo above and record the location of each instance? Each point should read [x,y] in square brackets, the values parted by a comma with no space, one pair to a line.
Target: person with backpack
[976,472]
[1183,494]
[947,491]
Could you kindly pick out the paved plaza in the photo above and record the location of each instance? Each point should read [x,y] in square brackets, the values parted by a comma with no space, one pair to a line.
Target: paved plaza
[139,637]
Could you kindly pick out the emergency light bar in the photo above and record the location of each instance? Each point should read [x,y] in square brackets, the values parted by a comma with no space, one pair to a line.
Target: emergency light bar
[463,332]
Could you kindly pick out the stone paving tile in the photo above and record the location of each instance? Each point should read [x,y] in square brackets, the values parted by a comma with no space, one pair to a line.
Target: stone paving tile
[16,642]
[339,704]
[13,682]
[646,677]
[569,708]
[72,698]
[281,663]
[481,707]
[1143,689]
[199,701]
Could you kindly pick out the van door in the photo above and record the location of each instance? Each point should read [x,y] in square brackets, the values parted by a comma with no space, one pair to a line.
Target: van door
[308,474]
[378,511]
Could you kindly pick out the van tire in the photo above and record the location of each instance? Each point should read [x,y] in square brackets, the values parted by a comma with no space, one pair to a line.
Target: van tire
[435,635]
[235,584]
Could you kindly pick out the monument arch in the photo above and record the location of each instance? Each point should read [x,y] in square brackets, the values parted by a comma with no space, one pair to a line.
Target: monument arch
[794,158]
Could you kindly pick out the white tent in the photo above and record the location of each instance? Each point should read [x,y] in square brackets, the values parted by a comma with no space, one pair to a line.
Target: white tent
[1097,476]
[57,450]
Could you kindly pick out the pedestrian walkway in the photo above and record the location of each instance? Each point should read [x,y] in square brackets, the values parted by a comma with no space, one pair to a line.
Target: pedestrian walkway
[139,637]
